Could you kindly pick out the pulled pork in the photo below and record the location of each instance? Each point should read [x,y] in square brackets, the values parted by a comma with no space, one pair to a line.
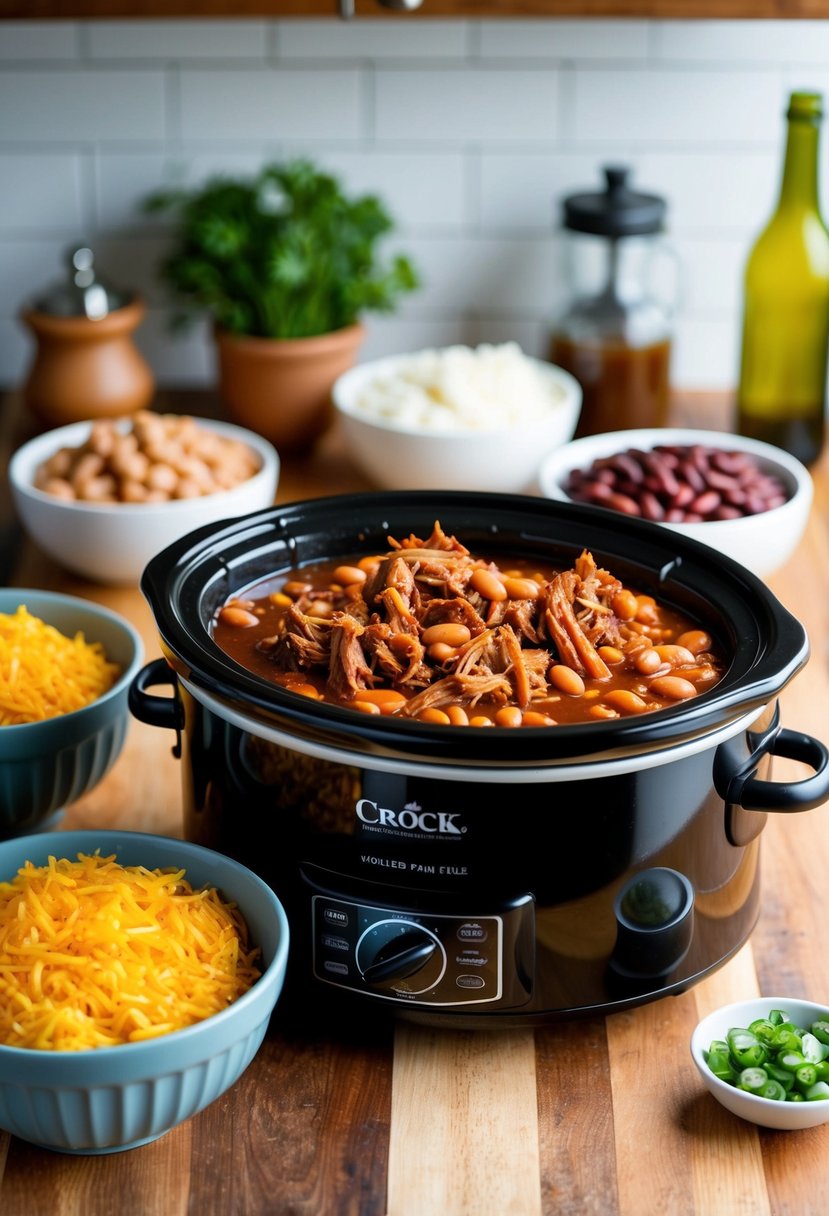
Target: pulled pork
[371,635]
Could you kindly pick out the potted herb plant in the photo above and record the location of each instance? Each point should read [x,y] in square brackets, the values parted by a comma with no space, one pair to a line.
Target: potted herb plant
[285,264]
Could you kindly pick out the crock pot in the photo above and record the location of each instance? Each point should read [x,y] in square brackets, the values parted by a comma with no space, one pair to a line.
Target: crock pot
[458,876]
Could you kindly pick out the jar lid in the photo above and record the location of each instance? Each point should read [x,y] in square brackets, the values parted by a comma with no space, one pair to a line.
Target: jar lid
[616,210]
[81,293]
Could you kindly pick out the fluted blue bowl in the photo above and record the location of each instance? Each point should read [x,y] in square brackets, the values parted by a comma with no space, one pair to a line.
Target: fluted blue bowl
[46,765]
[108,1099]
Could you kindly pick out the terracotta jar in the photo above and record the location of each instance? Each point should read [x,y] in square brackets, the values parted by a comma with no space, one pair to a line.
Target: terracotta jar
[85,364]
[85,368]
[281,387]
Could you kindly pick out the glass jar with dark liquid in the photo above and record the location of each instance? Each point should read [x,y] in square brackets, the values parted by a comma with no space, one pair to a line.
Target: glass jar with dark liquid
[615,334]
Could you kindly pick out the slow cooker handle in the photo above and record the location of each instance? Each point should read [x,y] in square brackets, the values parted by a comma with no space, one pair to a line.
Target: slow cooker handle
[749,792]
[157,711]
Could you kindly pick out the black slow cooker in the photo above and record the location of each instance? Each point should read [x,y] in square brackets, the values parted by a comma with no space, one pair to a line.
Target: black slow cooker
[484,878]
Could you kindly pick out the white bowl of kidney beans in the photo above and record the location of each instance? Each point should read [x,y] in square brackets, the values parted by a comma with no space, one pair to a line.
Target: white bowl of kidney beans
[748,500]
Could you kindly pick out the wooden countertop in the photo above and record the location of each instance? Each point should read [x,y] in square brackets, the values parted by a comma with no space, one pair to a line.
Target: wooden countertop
[573,1118]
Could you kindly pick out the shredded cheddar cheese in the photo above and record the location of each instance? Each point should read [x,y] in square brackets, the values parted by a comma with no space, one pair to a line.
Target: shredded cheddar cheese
[97,954]
[43,673]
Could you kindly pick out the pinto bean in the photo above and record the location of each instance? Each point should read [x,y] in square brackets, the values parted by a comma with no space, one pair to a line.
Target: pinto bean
[675,688]
[488,585]
[345,575]
[677,656]
[236,617]
[647,661]
[450,633]
[389,700]
[625,605]
[532,717]
[522,588]
[509,715]
[695,640]
[457,715]
[436,716]
[625,701]
[566,680]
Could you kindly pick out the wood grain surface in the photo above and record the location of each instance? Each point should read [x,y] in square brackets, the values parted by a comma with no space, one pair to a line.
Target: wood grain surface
[599,1117]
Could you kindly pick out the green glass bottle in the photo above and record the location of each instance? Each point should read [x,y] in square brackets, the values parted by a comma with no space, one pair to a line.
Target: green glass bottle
[783,369]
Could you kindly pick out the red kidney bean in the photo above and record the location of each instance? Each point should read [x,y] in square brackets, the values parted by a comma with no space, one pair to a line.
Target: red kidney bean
[678,484]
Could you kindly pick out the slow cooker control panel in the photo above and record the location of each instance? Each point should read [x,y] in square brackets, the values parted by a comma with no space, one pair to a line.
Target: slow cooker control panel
[420,957]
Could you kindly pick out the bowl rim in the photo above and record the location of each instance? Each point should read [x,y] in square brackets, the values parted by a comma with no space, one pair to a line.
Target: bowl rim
[572,400]
[34,451]
[562,460]
[133,1051]
[96,611]
[700,1041]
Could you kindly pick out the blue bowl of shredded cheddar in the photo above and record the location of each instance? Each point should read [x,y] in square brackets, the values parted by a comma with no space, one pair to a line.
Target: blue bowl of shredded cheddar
[138,975]
[65,669]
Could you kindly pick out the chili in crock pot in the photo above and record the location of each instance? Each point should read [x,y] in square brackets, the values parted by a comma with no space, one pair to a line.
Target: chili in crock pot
[431,632]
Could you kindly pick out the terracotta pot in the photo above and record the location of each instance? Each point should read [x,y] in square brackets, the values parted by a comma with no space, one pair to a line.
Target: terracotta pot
[85,368]
[281,387]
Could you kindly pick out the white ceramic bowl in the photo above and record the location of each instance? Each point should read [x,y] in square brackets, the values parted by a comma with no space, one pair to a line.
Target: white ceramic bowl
[404,457]
[762,543]
[784,1116]
[112,543]
[111,1098]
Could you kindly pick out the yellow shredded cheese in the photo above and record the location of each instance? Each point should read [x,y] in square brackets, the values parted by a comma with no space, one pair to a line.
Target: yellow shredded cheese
[96,954]
[43,673]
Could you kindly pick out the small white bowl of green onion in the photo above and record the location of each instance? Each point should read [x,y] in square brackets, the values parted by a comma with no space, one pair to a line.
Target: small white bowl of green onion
[767,1060]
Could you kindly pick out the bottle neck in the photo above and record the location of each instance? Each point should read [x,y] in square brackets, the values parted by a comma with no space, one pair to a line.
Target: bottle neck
[799,187]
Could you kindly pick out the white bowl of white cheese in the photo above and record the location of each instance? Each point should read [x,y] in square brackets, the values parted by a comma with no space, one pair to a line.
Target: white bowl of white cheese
[456,417]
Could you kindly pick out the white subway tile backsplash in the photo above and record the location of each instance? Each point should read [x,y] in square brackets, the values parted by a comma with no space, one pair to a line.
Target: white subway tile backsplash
[16,352]
[81,106]
[711,274]
[34,40]
[176,39]
[472,105]
[742,42]
[714,191]
[29,266]
[470,131]
[41,192]
[419,189]
[394,38]
[525,190]
[181,359]
[710,106]
[564,39]
[125,179]
[271,104]
[488,275]
[705,354]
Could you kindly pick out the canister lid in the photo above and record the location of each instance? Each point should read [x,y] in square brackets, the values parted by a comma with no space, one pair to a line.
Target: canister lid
[81,293]
[615,211]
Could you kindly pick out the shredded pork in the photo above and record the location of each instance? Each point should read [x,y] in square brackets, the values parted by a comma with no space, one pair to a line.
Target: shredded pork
[373,636]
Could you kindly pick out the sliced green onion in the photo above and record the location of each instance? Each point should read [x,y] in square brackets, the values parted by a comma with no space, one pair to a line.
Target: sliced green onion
[775,1059]
[820,1029]
[745,1048]
[753,1079]
[805,1077]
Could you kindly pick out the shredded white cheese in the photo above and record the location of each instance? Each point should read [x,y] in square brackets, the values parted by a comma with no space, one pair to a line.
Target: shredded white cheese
[461,388]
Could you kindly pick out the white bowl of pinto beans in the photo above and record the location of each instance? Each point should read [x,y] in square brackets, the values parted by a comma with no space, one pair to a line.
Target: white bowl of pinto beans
[746,499]
[102,497]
